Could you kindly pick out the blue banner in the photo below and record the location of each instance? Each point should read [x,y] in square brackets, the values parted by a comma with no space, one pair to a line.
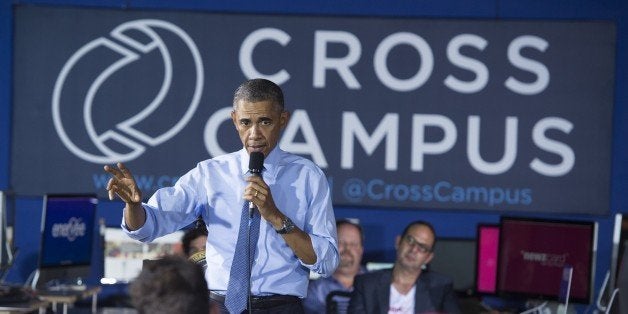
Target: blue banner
[404,113]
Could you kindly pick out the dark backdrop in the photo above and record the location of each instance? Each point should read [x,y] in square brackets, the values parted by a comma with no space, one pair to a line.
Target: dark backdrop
[381,224]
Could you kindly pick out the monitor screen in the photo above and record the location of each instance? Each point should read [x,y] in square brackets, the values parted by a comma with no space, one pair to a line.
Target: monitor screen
[67,228]
[533,253]
[456,258]
[124,256]
[487,253]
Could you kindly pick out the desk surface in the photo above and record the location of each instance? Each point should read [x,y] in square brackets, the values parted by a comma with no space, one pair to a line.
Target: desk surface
[67,296]
[25,307]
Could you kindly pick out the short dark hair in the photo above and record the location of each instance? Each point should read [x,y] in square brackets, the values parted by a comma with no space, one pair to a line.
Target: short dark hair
[255,90]
[420,223]
[190,235]
[170,285]
[341,222]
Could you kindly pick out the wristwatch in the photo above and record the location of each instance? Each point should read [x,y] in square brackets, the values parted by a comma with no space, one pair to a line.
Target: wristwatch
[287,226]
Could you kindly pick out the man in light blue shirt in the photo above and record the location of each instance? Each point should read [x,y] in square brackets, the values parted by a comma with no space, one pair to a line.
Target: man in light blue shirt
[297,231]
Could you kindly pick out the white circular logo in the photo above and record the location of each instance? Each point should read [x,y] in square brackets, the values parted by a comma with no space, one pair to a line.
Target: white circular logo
[94,65]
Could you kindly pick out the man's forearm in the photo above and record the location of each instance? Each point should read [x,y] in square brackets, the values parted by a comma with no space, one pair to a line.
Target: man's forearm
[301,245]
[298,240]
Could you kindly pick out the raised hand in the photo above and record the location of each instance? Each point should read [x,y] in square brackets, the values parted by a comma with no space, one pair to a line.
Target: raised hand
[123,184]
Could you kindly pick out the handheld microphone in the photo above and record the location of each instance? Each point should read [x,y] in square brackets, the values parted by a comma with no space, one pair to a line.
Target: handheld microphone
[256,164]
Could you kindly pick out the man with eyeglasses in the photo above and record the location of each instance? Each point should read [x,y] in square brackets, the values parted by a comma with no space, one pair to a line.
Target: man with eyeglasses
[407,287]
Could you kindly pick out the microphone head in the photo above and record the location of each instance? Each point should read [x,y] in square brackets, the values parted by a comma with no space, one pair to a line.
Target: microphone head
[256,162]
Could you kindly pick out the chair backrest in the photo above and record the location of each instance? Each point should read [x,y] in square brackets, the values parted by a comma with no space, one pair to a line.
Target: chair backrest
[539,309]
[337,302]
[602,294]
[610,301]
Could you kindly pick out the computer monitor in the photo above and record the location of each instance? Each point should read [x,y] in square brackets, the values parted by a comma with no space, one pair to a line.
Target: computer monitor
[456,258]
[124,256]
[533,253]
[67,238]
[487,251]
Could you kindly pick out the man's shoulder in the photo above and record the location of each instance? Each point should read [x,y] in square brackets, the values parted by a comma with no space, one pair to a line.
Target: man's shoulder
[436,278]
[220,159]
[290,159]
[375,275]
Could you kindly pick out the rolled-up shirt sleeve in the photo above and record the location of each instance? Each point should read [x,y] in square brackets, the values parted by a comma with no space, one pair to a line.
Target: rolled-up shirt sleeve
[144,233]
[321,226]
[169,209]
[326,256]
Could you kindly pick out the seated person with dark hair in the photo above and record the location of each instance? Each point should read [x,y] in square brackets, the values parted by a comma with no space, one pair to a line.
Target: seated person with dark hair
[194,240]
[406,288]
[170,285]
[351,248]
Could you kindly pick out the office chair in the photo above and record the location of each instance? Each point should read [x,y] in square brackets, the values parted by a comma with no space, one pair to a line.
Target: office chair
[610,301]
[539,309]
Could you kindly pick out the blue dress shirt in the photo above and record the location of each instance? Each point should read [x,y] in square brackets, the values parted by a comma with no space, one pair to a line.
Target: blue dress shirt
[214,190]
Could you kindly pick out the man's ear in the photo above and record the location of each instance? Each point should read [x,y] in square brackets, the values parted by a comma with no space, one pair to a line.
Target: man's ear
[233,118]
[397,241]
[429,258]
[284,118]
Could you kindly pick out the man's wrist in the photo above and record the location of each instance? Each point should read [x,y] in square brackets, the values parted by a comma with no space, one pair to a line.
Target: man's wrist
[286,226]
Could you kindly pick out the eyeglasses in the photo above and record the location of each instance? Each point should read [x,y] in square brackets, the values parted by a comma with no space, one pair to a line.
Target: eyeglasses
[412,242]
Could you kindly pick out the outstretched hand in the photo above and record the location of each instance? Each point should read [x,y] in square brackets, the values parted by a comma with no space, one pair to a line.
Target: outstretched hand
[123,184]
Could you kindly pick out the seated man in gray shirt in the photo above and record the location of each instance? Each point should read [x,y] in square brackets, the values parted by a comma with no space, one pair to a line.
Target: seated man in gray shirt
[351,248]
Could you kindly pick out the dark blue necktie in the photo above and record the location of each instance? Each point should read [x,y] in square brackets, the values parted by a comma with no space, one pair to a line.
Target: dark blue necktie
[239,277]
